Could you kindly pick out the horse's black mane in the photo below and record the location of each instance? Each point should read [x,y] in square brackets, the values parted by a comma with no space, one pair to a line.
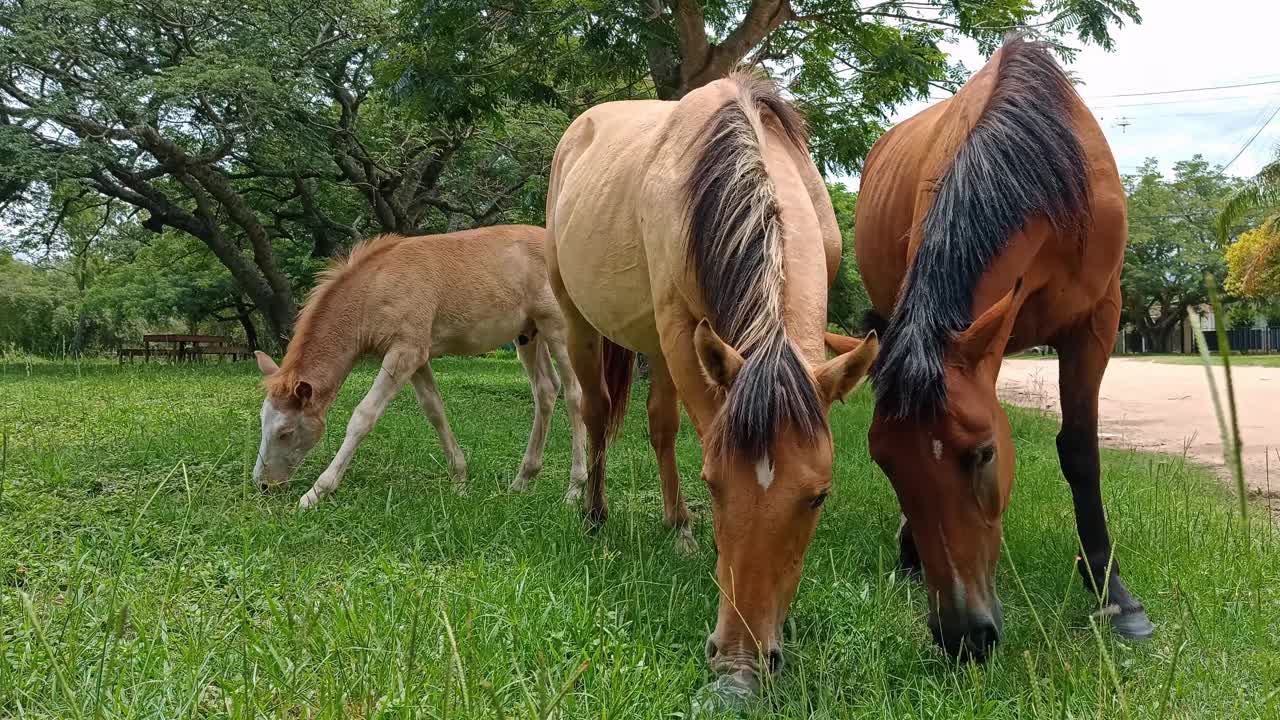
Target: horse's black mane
[1021,158]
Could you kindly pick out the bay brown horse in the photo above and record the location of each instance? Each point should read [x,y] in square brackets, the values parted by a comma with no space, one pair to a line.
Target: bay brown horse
[700,232]
[1002,203]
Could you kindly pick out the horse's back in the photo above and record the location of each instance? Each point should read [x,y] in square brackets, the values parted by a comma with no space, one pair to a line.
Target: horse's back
[898,183]
[466,292]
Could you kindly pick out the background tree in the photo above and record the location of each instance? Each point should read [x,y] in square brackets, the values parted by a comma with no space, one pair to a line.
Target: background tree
[1173,242]
[276,135]
[847,301]
[249,127]
[847,63]
[1253,272]
[1253,260]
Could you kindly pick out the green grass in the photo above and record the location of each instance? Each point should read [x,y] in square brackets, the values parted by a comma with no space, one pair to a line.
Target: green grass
[163,585]
[1236,360]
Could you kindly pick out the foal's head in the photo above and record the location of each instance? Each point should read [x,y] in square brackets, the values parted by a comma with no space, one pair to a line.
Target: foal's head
[767,485]
[292,423]
[952,468]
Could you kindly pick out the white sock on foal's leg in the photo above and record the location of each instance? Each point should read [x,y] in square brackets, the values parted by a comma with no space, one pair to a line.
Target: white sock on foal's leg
[573,404]
[366,415]
[537,365]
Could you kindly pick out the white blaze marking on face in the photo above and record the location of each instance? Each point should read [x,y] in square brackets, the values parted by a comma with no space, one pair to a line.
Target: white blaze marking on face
[268,417]
[937,449]
[764,472]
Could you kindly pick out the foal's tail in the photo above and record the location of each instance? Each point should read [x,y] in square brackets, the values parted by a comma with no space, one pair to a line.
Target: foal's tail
[616,367]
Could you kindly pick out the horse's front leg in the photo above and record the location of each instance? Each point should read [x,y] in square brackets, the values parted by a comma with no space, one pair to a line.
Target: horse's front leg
[385,387]
[664,426]
[1083,353]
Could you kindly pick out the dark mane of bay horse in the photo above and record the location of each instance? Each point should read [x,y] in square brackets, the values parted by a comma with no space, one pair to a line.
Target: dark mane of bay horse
[1021,158]
[281,385]
[735,245]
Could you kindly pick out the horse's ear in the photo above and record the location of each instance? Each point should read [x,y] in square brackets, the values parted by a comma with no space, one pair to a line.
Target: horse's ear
[265,363]
[989,334]
[303,392]
[839,376]
[841,344]
[720,362]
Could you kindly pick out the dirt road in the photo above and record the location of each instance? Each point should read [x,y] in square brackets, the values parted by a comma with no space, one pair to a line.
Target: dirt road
[1164,407]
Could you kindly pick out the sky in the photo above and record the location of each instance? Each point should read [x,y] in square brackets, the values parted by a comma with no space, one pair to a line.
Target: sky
[1180,45]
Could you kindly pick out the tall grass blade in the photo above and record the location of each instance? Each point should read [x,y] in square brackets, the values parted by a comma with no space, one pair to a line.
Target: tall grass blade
[1228,444]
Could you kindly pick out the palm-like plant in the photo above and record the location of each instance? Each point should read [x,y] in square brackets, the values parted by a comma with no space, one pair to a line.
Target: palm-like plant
[1261,193]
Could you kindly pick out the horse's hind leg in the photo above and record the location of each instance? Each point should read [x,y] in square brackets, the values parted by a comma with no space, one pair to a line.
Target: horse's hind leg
[555,342]
[386,386]
[664,425]
[537,365]
[424,386]
[1083,353]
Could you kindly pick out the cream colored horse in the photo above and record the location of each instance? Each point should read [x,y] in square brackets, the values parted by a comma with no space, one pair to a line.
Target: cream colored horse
[410,300]
[672,225]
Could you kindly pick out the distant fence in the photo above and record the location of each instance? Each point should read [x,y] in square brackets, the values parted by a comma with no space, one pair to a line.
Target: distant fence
[1247,340]
[1242,340]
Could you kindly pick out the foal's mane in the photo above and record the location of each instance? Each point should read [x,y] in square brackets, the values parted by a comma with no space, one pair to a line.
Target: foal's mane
[735,243]
[1021,158]
[305,349]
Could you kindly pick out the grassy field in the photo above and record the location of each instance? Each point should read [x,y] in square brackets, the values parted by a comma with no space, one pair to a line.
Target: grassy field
[1177,359]
[1236,360]
[162,585]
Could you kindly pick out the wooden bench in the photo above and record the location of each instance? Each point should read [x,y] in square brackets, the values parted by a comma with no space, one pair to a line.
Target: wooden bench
[235,352]
[145,353]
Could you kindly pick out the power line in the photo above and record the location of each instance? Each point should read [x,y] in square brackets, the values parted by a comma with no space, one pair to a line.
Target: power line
[1182,102]
[1255,137]
[1186,90]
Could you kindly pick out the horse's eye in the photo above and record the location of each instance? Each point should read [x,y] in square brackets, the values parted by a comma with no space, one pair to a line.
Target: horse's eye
[284,435]
[817,501]
[983,456]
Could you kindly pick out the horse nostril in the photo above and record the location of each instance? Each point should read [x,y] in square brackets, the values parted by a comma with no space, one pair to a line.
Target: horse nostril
[983,637]
[775,661]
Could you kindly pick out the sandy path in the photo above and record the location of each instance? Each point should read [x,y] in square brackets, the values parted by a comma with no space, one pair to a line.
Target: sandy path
[1164,407]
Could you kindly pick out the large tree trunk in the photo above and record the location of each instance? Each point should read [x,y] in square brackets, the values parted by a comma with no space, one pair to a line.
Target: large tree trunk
[244,313]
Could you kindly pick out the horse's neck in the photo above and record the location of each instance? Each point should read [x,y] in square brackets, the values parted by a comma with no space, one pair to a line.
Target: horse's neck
[323,352]
[804,304]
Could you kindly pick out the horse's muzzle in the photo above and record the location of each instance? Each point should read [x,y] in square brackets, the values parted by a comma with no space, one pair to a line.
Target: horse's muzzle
[968,635]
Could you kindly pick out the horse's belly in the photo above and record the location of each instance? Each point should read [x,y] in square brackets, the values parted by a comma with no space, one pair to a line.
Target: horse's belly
[607,278]
[479,335]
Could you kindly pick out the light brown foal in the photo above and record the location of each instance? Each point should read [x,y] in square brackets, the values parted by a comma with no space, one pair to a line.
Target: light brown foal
[410,300]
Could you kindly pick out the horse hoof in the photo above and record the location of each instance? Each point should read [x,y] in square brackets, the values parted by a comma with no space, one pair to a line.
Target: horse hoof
[573,495]
[519,485]
[686,546]
[308,501]
[595,519]
[1129,625]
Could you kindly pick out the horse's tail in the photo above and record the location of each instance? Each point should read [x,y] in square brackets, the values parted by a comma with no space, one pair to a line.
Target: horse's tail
[616,367]
[1021,158]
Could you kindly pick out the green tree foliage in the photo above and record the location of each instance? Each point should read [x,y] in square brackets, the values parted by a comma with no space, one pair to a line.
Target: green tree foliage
[847,63]
[1173,242]
[275,135]
[248,127]
[847,301]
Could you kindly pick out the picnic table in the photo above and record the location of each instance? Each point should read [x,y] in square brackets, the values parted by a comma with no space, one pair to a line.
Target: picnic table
[185,348]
